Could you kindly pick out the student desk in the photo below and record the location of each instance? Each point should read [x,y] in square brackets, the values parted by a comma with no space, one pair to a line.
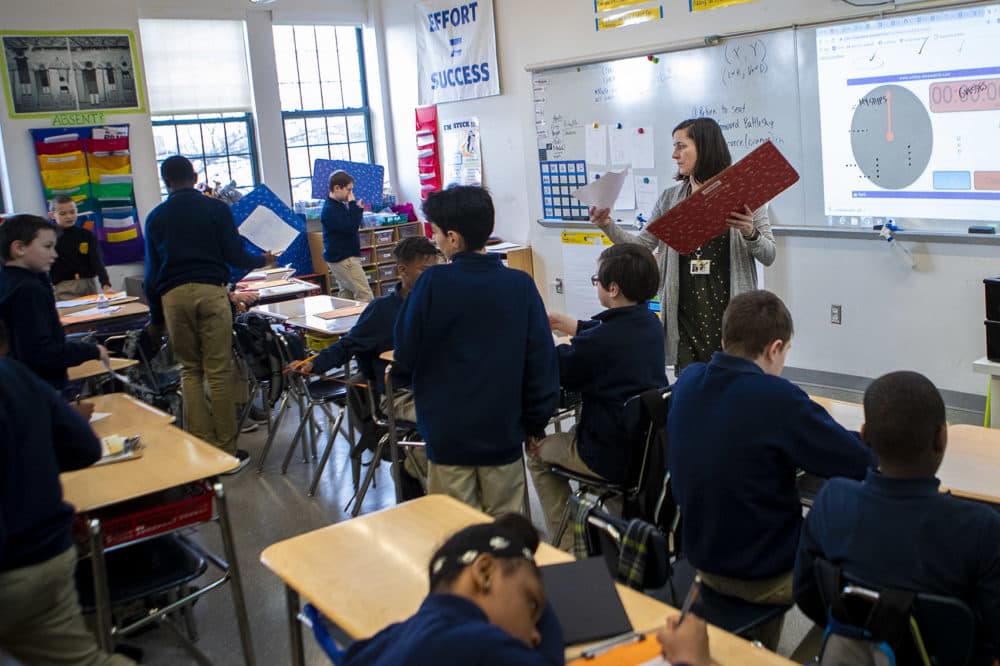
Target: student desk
[971,465]
[170,458]
[126,312]
[303,307]
[368,572]
[89,369]
[293,290]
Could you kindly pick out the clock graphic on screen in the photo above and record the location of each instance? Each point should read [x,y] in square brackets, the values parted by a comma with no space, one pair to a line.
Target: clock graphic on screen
[891,137]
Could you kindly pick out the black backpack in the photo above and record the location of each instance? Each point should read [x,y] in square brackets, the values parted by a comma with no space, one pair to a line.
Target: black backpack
[258,345]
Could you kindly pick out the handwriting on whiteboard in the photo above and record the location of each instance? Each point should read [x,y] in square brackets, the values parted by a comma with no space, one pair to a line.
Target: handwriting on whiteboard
[746,59]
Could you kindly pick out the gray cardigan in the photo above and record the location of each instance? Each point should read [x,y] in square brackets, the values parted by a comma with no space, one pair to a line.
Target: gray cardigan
[742,272]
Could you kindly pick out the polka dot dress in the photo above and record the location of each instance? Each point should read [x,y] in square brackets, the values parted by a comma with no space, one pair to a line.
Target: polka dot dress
[701,301]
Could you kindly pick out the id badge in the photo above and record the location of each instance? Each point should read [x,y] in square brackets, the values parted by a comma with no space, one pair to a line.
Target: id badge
[701,266]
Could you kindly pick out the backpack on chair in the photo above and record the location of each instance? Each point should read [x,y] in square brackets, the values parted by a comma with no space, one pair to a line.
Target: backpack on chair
[258,343]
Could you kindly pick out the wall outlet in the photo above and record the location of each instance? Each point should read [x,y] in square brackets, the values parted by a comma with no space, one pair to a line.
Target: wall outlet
[835,315]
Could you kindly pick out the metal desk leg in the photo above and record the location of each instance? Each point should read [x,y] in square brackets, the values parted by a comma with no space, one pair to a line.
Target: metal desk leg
[397,468]
[294,628]
[102,597]
[239,604]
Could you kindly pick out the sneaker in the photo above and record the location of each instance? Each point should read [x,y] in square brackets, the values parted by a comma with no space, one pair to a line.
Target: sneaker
[249,426]
[244,458]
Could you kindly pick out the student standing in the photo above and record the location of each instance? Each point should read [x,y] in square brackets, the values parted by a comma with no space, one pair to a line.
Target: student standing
[613,356]
[78,266]
[738,434]
[896,528]
[341,218]
[697,287]
[27,306]
[474,337]
[40,436]
[191,241]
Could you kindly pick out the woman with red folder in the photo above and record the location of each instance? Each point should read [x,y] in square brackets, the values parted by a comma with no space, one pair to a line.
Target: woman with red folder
[696,287]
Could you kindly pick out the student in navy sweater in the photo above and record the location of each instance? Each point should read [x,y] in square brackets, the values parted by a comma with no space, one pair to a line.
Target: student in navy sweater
[486,606]
[40,436]
[738,433]
[341,218]
[78,267]
[191,243]
[474,337]
[613,356]
[895,528]
[27,305]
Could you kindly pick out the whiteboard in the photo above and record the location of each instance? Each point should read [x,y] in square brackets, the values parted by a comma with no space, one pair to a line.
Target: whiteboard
[766,87]
[750,86]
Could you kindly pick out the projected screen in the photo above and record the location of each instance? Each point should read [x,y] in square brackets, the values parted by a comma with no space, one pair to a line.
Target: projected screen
[910,117]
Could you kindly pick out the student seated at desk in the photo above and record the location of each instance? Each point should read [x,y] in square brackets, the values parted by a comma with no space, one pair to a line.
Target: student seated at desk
[613,356]
[27,304]
[40,436]
[373,334]
[895,528]
[486,606]
[474,337]
[738,433]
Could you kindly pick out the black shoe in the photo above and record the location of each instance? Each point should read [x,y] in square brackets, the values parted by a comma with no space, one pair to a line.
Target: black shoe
[244,458]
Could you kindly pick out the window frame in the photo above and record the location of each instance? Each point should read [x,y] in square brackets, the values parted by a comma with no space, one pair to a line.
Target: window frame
[363,111]
[245,117]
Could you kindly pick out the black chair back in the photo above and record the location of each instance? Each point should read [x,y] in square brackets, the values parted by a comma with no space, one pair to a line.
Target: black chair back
[922,628]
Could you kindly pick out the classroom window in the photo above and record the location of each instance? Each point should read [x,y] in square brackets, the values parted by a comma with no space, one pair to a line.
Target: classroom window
[219,145]
[324,98]
[199,97]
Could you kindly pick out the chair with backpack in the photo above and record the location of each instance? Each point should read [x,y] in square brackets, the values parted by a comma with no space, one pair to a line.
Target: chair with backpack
[644,490]
[876,626]
[155,380]
[254,346]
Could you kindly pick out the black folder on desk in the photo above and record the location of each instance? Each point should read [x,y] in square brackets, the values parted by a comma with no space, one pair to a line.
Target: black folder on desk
[585,600]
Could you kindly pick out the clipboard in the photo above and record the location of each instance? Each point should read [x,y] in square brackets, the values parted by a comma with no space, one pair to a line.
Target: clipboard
[585,600]
[342,312]
[753,181]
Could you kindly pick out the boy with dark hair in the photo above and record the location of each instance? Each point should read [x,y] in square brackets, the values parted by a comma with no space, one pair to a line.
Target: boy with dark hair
[40,436]
[191,241]
[738,433]
[341,218]
[895,528]
[373,333]
[474,338]
[27,306]
[616,354]
[79,264]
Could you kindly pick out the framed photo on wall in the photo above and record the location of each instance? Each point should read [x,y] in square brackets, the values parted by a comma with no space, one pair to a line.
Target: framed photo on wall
[48,73]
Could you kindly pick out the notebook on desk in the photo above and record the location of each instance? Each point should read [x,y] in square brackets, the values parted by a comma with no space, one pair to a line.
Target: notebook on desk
[585,600]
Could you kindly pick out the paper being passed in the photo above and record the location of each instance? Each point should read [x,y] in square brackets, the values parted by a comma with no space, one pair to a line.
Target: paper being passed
[265,229]
[603,192]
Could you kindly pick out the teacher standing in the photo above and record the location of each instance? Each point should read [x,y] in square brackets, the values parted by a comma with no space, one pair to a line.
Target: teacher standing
[696,287]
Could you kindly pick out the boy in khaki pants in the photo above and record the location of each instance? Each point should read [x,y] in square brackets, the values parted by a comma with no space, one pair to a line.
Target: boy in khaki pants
[341,220]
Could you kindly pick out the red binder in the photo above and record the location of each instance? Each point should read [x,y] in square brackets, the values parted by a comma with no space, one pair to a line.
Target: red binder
[753,181]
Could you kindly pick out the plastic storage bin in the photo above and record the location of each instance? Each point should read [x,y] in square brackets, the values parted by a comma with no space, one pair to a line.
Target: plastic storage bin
[366,255]
[365,236]
[385,254]
[387,272]
[409,230]
[384,236]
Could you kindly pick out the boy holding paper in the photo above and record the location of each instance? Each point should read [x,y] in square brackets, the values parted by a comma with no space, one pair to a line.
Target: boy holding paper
[191,241]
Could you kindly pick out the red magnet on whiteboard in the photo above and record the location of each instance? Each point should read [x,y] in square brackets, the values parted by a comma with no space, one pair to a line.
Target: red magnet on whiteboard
[642,131]
[649,57]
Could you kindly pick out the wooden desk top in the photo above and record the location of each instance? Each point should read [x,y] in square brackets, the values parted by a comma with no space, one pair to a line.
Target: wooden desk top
[90,369]
[971,465]
[556,339]
[848,414]
[311,305]
[313,324]
[171,457]
[72,322]
[368,572]
[388,356]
